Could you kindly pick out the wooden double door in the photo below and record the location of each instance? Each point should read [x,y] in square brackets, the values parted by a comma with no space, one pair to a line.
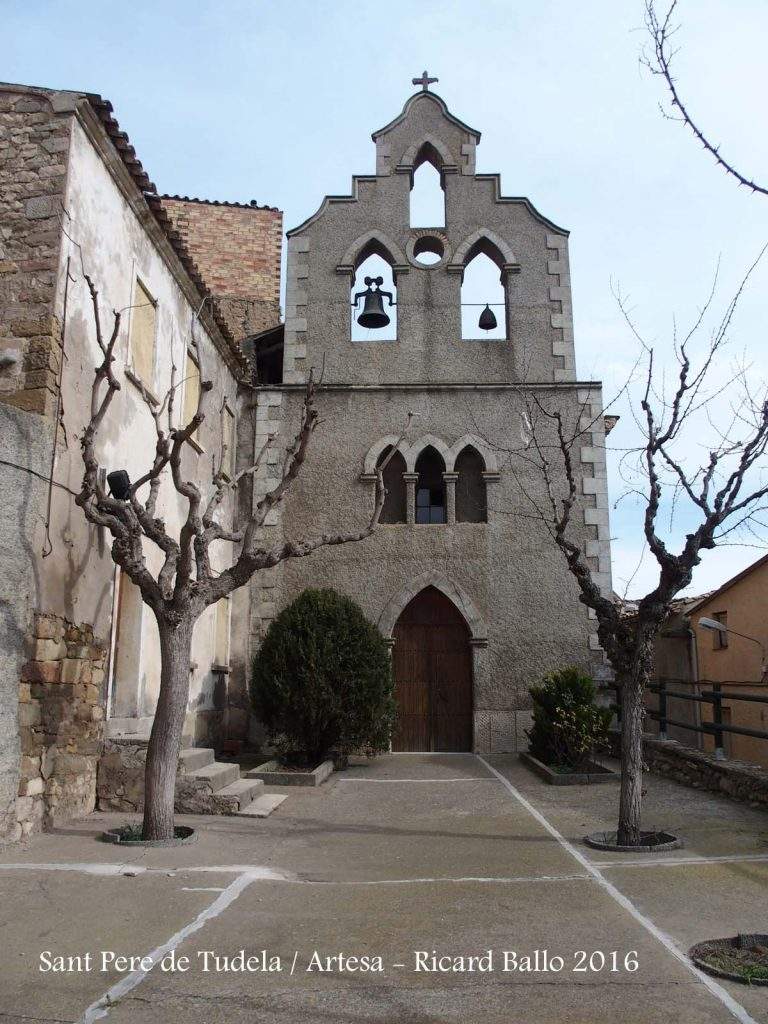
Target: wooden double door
[432,662]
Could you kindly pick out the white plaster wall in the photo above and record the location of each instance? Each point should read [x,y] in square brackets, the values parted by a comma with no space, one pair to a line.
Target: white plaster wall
[77,580]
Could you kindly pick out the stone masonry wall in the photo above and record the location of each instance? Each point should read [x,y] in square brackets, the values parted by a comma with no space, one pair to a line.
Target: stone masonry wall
[34,141]
[237,250]
[61,722]
[701,770]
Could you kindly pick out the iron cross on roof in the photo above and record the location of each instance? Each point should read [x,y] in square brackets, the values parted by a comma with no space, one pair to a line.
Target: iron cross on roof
[425,81]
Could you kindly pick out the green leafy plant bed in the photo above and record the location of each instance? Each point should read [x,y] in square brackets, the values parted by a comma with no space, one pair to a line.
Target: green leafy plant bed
[588,773]
[275,773]
[743,958]
[569,728]
[131,835]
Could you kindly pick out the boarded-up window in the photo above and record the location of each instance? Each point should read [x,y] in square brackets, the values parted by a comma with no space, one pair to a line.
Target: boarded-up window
[191,390]
[221,639]
[228,441]
[142,337]
[126,657]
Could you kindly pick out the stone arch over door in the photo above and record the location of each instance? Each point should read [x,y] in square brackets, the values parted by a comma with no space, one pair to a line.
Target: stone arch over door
[475,622]
[432,667]
[453,591]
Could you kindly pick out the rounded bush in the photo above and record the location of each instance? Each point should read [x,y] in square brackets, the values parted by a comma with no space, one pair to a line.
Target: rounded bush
[322,680]
[568,727]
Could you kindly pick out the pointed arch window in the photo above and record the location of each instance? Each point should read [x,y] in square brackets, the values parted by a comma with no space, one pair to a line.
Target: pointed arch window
[374,261]
[471,497]
[427,201]
[483,284]
[430,487]
[395,508]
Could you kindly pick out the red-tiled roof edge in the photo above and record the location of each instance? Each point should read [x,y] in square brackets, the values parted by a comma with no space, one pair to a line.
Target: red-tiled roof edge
[103,110]
[252,205]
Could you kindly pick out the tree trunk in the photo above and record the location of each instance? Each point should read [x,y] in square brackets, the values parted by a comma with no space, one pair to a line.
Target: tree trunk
[630,800]
[167,727]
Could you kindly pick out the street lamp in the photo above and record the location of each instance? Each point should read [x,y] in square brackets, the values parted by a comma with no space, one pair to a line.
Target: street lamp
[719,627]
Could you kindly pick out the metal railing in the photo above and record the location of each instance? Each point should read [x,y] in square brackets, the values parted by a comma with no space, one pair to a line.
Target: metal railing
[718,728]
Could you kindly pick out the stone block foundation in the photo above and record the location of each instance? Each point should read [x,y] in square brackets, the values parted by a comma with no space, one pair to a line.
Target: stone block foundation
[61,721]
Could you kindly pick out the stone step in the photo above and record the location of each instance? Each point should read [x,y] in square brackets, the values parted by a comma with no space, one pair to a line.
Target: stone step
[235,797]
[195,757]
[262,806]
[212,777]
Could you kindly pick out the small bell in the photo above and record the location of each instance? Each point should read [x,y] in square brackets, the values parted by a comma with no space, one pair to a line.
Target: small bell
[373,314]
[487,320]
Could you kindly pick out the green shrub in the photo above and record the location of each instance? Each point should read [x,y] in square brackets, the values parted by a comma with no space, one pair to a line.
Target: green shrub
[322,680]
[568,727]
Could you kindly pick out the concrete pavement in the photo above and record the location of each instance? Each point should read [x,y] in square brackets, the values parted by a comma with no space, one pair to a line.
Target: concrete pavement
[414,865]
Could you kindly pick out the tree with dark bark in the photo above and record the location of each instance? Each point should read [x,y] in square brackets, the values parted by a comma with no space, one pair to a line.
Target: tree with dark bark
[186,584]
[724,485]
[658,59]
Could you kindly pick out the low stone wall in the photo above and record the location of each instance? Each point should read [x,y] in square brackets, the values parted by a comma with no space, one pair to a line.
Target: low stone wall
[701,770]
[120,785]
[61,722]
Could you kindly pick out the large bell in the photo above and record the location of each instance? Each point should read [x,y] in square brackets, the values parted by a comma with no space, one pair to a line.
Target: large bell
[487,320]
[373,314]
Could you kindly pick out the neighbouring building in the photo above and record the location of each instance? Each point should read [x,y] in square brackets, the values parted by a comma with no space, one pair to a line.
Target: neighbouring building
[691,658]
[78,649]
[477,602]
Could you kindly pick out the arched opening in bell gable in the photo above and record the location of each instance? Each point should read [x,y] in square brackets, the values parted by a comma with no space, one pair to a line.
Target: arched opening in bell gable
[373,295]
[483,297]
[427,202]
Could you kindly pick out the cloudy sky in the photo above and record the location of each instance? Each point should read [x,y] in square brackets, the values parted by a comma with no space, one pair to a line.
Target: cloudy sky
[276,101]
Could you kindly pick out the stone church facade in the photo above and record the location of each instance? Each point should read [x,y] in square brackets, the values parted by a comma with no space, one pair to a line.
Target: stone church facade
[473,595]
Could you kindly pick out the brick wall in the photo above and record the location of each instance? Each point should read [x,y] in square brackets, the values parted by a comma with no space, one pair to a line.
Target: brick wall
[61,722]
[34,141]
[237,249]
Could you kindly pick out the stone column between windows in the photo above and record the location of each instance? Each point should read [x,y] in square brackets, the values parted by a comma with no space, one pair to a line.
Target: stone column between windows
[489,478]
[450,497]
[411,479]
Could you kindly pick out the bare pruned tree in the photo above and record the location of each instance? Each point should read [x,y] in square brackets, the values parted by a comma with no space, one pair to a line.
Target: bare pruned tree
[723,484]
[185,584]
[659,59]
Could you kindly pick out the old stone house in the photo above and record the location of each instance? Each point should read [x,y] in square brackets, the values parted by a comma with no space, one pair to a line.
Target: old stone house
[474,598]
[78,650]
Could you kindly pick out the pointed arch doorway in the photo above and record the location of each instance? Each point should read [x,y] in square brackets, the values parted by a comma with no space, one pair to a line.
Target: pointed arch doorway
[432,662]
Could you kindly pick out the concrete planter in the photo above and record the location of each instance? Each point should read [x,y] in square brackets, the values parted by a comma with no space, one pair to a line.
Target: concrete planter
[272,774]
[554,778]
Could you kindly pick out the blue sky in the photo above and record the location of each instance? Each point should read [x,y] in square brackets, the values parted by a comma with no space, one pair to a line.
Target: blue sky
[276,101]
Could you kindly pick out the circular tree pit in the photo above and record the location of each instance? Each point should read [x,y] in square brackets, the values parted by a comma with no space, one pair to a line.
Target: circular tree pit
[742,958]
[652,841]
[130,835]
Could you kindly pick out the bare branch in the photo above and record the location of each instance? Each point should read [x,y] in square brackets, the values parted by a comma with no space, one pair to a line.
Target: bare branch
[661,30]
